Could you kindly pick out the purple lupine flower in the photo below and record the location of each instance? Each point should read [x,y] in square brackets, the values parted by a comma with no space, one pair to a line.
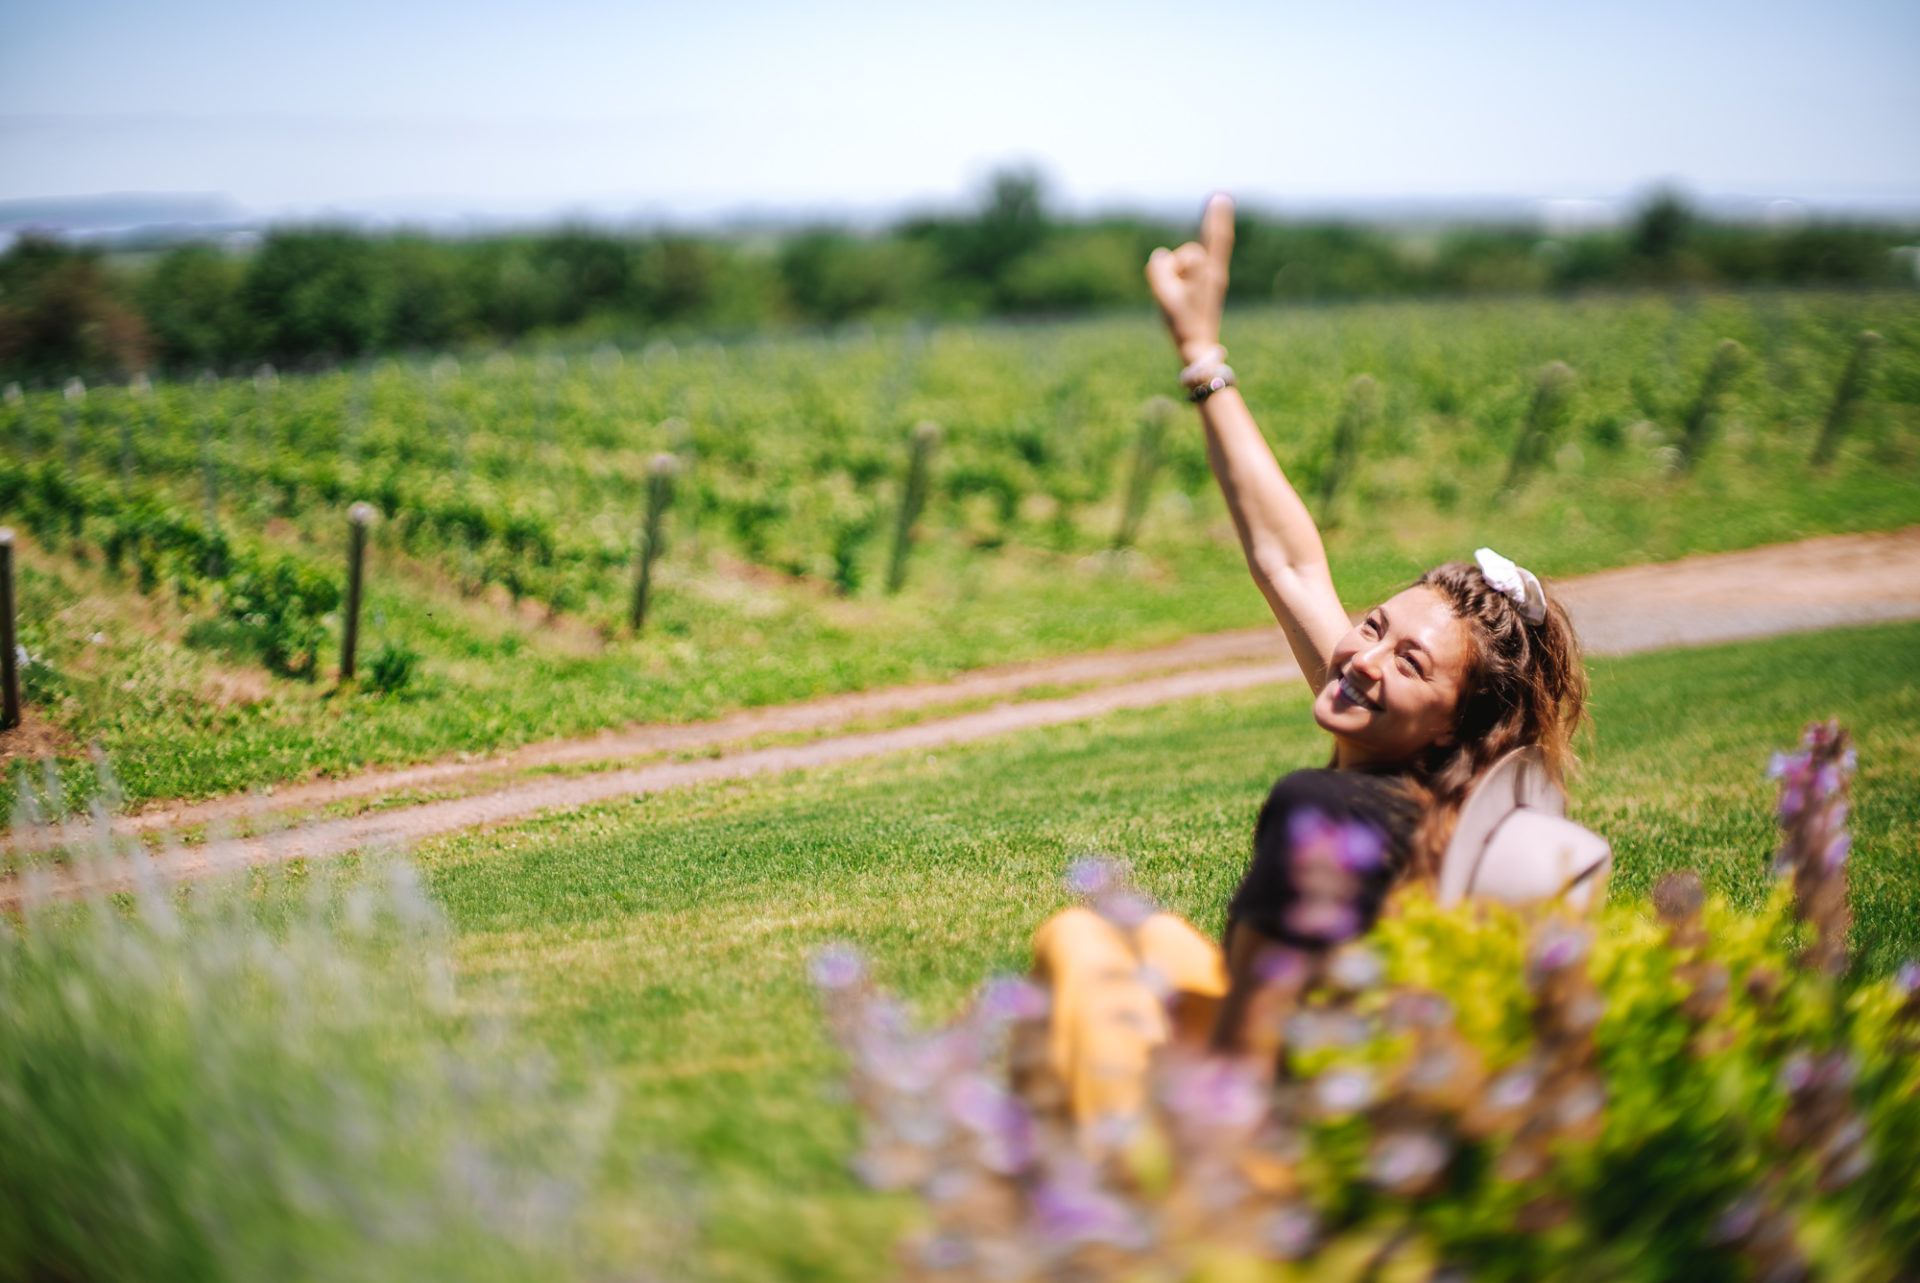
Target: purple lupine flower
[1091,875]
[1836,853]
[1514,1088]
[999,1121]
[1418,1009]
[1556,947]
[1323,921]
[1341,1091]
[1070,1209]
[1403,1160]
[1279,966]
[1362,846]
[946,1252]
[1126,909]
[1357,968]
[837,966]
[1291,1232]
[1007,999]
[1907,979]
[1214,1093]
[1738,1221]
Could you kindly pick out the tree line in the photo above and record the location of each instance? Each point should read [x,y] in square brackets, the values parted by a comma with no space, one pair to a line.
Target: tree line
[307,296]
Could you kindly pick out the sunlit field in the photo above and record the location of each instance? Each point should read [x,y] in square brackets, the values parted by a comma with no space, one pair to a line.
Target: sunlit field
[183,546]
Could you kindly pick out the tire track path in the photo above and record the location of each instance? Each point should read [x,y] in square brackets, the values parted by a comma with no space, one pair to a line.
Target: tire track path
[1819,583]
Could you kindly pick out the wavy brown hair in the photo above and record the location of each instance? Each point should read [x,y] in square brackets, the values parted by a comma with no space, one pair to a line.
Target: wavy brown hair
[1525,685]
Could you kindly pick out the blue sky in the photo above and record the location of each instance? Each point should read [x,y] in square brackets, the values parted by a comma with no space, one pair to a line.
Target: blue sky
[525,109]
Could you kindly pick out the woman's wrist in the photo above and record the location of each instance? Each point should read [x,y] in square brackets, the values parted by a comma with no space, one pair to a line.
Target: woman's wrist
[1192,350]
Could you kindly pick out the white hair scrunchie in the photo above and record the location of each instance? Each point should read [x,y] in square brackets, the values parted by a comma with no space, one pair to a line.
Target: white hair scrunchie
[1516,583]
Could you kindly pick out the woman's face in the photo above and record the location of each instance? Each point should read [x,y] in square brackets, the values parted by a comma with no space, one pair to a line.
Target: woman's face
[1395,681]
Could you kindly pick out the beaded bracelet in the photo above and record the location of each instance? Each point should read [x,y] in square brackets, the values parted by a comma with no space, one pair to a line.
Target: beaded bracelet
[1220,376]
[1207,374]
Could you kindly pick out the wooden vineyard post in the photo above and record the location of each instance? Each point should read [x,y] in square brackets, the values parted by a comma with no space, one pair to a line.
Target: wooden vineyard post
[140,397]
[1552,395]
[1155,414]
[208,383]
[9,645]
[1727,358]
[1357,419]
[1853,382]
[680,441]
[17,402]
[74,396]
[359,517]
[265,380]
[660,470]
[920,448]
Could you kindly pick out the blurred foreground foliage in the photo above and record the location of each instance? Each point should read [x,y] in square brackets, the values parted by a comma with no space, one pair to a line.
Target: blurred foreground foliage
[1482,1093]
[234,1083]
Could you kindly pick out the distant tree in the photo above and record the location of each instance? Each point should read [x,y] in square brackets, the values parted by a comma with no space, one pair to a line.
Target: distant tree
[832,276]
[425,302]
[976,252]
[313,294]
[1661,227]
[63,314]
[191,300]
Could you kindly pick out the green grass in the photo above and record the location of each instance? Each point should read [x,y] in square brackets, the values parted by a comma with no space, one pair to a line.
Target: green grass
[800,443]
[664,942]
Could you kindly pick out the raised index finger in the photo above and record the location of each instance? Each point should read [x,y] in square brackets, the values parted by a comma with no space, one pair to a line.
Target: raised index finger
[1216,229]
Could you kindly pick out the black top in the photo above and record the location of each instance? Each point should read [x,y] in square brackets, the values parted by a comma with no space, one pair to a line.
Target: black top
[1327,847]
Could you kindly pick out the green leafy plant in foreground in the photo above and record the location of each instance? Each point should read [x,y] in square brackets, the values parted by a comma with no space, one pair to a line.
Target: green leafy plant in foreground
[199,1088]
[1478,1094]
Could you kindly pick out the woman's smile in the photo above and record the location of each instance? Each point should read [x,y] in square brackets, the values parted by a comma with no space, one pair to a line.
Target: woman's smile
[1353,695]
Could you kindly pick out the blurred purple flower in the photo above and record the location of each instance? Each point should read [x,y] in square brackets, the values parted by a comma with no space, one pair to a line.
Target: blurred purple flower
[1126,909]
[946,1252]
[837,966]
[1341,1091]
[1836,853]
[1556,947]
[1005,999]
[1737,1221]
[1291,1232]
[1215,1093]
[1070,1209]
[1401,1160]
[1357,968]
[1323,921]
[1514,1088]
[1091,876]
[1907,979]
[997,1119]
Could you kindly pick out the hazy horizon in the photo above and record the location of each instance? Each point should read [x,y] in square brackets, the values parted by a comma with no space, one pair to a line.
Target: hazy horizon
[501,113]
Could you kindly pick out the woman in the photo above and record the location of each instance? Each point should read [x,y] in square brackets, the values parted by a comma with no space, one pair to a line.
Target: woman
[1423,697]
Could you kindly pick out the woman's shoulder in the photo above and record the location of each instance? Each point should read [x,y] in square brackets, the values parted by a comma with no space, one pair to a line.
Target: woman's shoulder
[1383,800]
[1336,787]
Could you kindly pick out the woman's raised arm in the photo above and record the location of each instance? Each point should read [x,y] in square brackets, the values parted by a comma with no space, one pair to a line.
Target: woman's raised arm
[1282,545]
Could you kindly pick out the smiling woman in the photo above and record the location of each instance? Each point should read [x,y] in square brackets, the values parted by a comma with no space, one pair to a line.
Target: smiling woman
[1468,683]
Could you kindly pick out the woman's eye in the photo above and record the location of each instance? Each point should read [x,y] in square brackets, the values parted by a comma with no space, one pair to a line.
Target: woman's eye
[1410,668]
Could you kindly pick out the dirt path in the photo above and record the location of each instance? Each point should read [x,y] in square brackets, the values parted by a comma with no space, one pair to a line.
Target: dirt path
[1819,583]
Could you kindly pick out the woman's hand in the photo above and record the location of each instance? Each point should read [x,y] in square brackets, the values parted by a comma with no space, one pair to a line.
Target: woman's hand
[1190,283]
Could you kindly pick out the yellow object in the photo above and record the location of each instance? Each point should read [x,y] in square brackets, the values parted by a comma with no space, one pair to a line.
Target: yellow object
[1109,1013]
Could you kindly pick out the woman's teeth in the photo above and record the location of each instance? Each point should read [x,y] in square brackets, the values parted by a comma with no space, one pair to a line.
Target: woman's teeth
[1352,695]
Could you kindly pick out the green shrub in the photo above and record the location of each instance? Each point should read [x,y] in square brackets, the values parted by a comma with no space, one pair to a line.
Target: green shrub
[231,1086]
[391,667]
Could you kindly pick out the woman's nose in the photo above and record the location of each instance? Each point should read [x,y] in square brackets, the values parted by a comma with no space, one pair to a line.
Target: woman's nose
[1370,659]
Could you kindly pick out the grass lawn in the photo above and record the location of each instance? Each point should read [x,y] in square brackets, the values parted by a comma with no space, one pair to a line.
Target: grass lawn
[663,943]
